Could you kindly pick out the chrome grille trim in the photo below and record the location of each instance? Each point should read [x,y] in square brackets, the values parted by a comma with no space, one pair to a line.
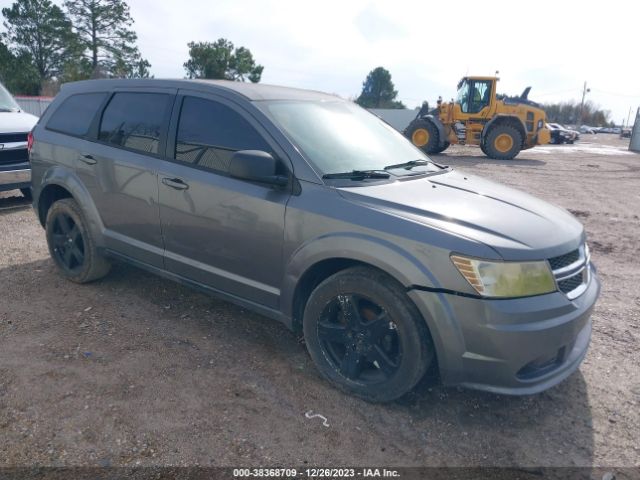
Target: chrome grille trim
[578,268]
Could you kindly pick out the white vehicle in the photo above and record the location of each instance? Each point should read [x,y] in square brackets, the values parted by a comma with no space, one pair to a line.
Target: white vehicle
[15,125]
[588,130]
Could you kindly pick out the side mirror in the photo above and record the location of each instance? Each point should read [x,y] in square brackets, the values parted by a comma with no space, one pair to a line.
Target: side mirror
[256,166]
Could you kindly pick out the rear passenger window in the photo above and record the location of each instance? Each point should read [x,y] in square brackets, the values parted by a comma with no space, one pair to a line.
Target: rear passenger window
[210,132]
[134,120]
[75,114]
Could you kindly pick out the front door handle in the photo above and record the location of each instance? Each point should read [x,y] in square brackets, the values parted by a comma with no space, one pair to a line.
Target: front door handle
[88,159]
[175,183]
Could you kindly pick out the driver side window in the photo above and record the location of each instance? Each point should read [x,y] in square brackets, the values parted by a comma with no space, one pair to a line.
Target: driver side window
[209,133]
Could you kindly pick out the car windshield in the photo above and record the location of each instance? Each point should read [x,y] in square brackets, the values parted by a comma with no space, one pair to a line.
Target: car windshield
[7,103]
[338,136]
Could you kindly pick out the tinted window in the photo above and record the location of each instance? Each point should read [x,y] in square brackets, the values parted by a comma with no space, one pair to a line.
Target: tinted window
[209,133]
[134,120]
[75,114]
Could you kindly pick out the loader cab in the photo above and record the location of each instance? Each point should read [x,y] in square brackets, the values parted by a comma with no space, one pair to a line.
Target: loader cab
[475,95]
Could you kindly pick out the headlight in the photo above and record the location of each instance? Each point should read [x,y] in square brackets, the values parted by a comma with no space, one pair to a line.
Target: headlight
[539,124]
[506,279]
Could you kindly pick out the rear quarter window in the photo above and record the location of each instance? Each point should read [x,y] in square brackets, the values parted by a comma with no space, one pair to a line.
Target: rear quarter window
[74,115]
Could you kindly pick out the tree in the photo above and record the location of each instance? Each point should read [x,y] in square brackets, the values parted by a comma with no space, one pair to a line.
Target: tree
[40,31]
[567,112]
[220,60]
[378,91]
[132,69]
[18,73]
[106,37]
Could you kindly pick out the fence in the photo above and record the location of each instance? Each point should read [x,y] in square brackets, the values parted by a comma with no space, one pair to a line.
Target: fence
[634,144]
[34,105]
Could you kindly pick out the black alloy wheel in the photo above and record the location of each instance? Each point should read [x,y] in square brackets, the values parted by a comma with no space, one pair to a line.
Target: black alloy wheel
[359,339]
[365,334]
[71,245]
[67,242]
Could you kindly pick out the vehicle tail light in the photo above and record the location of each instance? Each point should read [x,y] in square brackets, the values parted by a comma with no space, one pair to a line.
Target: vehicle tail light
[29,142]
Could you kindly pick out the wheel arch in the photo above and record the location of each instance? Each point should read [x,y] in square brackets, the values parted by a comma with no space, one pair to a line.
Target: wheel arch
[60,183]
[325,256]
[295,300]
[504,119]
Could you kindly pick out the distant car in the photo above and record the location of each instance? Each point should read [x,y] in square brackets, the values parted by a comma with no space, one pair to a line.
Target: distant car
[15,126]
[560,134]
[626,133]
[616,130]
[588,130]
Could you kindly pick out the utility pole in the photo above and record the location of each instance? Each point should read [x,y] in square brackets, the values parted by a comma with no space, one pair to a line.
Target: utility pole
[585,90]
[628,117]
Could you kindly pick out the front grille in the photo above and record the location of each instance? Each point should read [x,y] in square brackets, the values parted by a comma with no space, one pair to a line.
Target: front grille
[571,272]
[564,260]
[13,137]
[9,157]
[571,283]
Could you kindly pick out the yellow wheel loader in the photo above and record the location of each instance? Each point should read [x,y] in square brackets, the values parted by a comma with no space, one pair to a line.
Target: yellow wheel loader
[500,127]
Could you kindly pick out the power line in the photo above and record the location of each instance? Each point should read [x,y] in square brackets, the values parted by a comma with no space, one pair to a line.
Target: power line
[617,94]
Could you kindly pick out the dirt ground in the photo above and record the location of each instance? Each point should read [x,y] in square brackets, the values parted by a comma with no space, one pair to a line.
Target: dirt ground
[135,369]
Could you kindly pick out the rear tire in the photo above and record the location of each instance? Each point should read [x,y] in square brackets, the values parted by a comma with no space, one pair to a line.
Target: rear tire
[70,243]
[503,142]
[424,135]
[365,336]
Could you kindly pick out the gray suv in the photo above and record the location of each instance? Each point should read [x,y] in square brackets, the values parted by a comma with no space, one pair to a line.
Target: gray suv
[312,211]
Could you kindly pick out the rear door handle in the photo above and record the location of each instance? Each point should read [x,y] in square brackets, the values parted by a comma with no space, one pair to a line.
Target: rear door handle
[88,159]
[175,183]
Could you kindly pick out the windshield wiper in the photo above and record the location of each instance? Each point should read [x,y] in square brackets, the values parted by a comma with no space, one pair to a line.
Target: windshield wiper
[358,174]
[413,163]
[408,165]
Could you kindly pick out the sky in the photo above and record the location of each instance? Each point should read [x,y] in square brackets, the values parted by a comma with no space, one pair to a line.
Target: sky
[331,45]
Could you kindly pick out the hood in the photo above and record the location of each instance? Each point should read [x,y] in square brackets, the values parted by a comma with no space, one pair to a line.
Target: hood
[516,225]
[17,122]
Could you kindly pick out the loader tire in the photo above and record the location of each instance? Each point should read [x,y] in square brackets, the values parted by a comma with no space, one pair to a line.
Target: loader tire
[424,135]
[442,148]
[503,142]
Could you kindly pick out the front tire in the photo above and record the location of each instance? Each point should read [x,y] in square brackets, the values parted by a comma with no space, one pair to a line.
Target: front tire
[442,148]
[70,243]
[365,336]
[424,135]
[503,142]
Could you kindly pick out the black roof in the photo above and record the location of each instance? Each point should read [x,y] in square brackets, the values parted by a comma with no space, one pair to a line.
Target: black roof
[251,91]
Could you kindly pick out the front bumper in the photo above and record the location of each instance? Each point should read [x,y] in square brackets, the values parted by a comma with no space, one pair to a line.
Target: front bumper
[513,346]
[15,176]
